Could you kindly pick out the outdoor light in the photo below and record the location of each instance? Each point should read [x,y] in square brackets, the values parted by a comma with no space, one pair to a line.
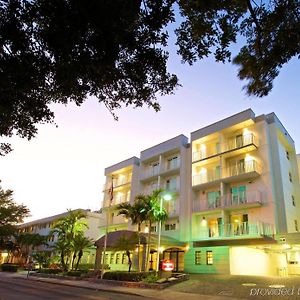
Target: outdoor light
[167,197]
[146,230]
[203,222]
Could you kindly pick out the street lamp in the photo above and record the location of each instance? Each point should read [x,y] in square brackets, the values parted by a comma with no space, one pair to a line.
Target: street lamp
[167,197]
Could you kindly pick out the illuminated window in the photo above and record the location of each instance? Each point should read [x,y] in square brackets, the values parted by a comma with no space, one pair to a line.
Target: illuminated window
[293,201]
[124,258]
[170,227]
[209,257]
[197,257]
[153,229]
[106,258]
[296,225]
[117,258]
[111,258]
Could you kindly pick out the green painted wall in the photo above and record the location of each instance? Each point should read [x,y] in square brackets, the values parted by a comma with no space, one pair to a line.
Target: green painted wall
[220,261]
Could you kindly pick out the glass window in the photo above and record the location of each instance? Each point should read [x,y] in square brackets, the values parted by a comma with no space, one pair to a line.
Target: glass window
[293,200]
[209,257]
[124,256]
[238,195]
[197,257]
[171,184]
[155,168]
[296,225]
[287,155]
[153,229]
[214,199]
[239,141]
[170,227]
[117,258]
[111,258]
[173,162]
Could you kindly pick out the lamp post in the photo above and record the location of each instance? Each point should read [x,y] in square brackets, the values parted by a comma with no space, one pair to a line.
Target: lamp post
[166,197]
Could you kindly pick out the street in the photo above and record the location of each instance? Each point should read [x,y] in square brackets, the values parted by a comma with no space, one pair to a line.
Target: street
[21,289]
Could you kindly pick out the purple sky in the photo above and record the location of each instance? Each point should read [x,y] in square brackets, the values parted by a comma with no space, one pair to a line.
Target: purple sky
[63,167]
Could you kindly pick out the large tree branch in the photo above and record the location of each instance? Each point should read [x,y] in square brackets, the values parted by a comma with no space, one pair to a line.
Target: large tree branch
[258,27]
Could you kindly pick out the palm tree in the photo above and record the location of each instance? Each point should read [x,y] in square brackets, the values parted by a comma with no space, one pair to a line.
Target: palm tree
[80,244]
[127,244]
[153,213]
[67,229]
[137,215]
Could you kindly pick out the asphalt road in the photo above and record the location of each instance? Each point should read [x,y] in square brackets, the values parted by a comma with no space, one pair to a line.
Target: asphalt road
[22,289]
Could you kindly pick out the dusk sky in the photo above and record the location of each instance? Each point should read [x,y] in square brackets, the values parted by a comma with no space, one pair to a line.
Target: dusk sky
[63,167]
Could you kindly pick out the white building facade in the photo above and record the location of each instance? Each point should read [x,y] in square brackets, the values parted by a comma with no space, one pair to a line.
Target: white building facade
[237,198]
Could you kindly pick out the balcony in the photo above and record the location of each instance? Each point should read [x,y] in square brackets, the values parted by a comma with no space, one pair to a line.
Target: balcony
[206,178]
[242,143]
[242,170]
[120,181]
[115,201]
[233,231]
[171,168]
[238,201]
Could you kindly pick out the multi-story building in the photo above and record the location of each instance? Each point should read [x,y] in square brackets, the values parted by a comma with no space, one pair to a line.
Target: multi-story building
[44,227]
[237,197]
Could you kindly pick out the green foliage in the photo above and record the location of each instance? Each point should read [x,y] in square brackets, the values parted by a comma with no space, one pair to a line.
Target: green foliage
[152,278]
[126,276]
[9,268]
[62,51]
[50,271]
[42,258]
[11,214]
[70,238]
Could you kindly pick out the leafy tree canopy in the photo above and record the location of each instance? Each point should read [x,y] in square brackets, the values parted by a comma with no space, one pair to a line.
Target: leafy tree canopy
[11,214]
[65,50]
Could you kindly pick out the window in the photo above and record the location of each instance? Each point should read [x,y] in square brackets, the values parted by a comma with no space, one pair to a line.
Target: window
[171,184]
[293,200]
[214,199]
[238,195]
[290,177]
[173,162]
[106,258]
[153,229]
[117,258]
[239,141]
[197,257]
[124,258]
[111,258]
[209,257]
[296,225]
[155,168]
[170,227]
[287,155]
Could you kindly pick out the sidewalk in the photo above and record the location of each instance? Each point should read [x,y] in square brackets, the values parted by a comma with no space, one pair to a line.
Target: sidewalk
[165,294]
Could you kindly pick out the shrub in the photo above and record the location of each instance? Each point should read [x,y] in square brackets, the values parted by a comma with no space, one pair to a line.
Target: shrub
[86,266]
[151,278]
[50,271]
[9,267]
[126,276]
[74,273]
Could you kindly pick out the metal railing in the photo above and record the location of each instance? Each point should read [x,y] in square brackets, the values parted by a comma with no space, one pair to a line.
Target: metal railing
[229,145]
[210,175]
[240,168]
[239,229]
[228,200]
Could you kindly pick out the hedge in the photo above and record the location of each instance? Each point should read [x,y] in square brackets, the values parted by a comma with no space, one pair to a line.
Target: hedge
[9,267]
[126,276]
[50,271]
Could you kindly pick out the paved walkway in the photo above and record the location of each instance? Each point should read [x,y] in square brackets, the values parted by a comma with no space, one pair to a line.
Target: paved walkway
[165,294]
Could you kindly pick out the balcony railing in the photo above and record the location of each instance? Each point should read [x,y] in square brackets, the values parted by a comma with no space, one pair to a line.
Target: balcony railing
[117,182]
[240,168]
[237,169]
[239,142]
[115,201]
[241,199]
[172,165]
[229,145]
[234,230]
[209,176]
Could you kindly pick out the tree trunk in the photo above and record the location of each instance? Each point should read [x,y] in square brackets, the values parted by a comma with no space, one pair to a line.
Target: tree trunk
[139,247]
[73,260]
[129,260]
[80,254]
[148,247]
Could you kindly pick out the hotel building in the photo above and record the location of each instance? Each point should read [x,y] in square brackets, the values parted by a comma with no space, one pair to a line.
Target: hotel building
[236,197]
